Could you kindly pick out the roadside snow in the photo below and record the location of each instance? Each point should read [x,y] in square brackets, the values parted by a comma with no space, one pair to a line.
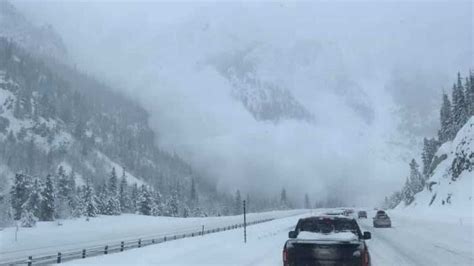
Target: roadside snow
[48,237]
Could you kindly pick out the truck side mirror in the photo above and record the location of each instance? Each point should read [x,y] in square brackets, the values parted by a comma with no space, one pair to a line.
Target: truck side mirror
[292,234]
[367,235]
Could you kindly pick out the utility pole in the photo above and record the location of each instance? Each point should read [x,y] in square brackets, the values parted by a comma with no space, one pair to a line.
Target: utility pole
[245,224]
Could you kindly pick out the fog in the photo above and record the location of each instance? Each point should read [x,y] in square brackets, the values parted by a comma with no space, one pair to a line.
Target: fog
[370,74]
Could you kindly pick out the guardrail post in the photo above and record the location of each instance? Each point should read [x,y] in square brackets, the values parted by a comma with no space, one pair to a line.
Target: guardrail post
[59,258]
[202,230]
[121,246]
[30,260]
[106,250]
[83,253]
[139,243]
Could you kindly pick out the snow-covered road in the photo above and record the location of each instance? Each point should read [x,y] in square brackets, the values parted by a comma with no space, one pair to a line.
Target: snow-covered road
[412,241]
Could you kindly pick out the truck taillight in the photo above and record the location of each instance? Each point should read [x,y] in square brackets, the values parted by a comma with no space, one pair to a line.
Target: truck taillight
[285,256]
[365,258]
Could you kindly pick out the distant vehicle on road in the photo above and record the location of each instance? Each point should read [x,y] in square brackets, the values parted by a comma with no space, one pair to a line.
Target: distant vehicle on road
[335,212]
[326,240]
[381,219]
[348,212]
[362,214]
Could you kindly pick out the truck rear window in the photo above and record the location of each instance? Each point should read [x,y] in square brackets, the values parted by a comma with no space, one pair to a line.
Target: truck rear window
[328,226]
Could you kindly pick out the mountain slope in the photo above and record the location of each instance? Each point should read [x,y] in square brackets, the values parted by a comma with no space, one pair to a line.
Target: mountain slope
[450,187]
[42,41]
[51,114]
[263,99]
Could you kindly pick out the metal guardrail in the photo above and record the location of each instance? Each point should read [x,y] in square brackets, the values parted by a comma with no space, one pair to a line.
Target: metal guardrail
[96,250]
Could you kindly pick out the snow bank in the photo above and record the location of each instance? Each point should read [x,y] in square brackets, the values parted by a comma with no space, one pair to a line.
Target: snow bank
[48,237]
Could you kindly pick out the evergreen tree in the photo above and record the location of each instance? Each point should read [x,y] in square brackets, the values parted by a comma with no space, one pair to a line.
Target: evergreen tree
[33,203]
[307,205]
[407,193]
[28,219]
[112,202]
[283,199]
[19,194]
[113,183]
[90,201]
[157,206]
[64,194]
[417,181]
[124,198]
[430,146]
[238,203]
[460,108]
[470,93]
[193,193]
[145,202]
[48,200]
[102,199]
[172,204]
[446,132]
[134,195]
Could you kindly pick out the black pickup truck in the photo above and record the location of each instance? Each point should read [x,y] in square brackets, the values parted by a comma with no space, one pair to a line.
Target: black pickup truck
[326,240]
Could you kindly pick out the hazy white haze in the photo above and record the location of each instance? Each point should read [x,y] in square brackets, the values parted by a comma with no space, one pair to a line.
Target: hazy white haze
[364,78]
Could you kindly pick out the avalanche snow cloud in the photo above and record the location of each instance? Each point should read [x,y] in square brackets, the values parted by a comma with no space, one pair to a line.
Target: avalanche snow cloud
[315,97]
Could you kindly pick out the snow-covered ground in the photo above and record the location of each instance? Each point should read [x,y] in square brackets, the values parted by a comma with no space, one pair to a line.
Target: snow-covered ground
[413,240]
[48,237]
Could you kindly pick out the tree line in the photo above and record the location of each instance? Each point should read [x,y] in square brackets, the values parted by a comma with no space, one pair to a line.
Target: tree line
[59,197]
[455,111]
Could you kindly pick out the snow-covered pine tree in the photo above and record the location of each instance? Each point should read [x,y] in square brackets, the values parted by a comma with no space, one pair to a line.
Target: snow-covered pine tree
[446,131]
[307,205]
[79,208]
[157,206]
[145,201]
[470,92]
[395,199]
[134,196]
[417,181]
[112,198]
[28,219]
[407,193]
[172,206]
[124,198]
[430,146]
[89,200]
[193,196]
[64,194]
[283,199]
[102,199]
[238,203]
[460,108]
[48,200]
[33,203]
[19,194]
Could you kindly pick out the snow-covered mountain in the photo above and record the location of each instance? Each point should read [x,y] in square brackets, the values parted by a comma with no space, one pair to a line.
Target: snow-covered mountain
[450,187]
[39,40]
[265,100]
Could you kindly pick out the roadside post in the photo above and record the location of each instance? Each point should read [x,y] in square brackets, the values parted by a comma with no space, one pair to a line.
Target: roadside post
[245,224]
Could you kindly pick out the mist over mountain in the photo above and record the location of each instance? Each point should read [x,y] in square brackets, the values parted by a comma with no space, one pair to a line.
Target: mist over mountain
[251,96]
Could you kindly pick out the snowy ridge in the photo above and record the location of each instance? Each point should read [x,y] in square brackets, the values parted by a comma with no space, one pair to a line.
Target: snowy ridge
[450,188]
[40,40]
